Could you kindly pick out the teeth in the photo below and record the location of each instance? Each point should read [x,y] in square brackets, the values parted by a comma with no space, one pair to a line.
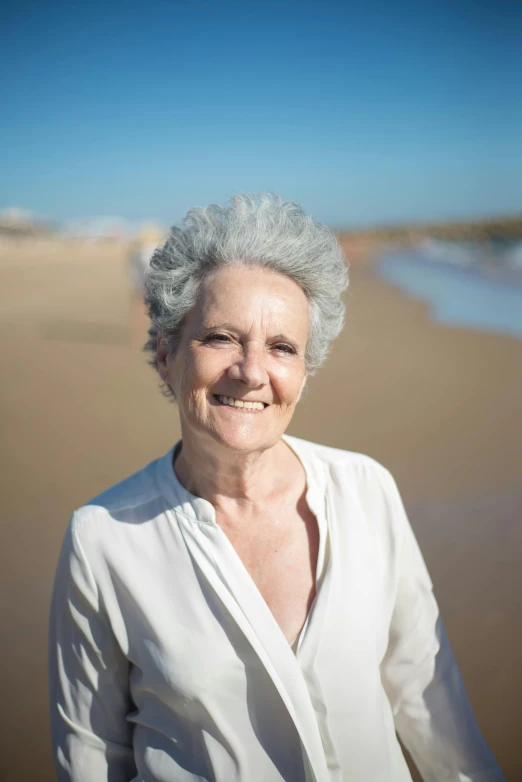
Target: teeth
[231,402]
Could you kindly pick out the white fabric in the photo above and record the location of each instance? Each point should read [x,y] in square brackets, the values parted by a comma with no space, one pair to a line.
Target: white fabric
[166,664]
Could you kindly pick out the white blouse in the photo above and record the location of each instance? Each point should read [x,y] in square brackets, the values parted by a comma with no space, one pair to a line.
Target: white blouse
[166,664]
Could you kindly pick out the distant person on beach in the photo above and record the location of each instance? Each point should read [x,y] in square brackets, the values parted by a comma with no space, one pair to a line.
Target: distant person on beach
[142,247]
[251,607]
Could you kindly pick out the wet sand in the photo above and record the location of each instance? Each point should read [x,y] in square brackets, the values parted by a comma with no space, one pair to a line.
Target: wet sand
[441,407]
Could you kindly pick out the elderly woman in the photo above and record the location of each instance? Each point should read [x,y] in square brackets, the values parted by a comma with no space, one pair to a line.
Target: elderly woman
[251,607]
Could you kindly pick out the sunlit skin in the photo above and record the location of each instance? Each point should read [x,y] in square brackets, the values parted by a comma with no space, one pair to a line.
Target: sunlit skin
[246,338]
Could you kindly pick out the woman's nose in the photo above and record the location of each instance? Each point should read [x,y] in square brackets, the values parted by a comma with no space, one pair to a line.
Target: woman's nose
[250,368]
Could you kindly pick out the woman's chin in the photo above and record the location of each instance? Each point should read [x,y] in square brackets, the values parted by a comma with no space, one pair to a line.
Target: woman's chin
[245,437]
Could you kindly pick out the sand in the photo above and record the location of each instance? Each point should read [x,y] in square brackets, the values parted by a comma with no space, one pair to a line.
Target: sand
[440,407]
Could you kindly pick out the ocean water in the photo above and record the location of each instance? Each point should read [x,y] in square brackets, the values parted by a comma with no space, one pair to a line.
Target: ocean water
[477,288]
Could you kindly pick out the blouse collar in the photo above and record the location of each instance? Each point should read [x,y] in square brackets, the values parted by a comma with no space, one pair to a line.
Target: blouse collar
[200,510]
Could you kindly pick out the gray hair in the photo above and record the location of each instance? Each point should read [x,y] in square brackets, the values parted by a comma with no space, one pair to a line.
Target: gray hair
[256,230]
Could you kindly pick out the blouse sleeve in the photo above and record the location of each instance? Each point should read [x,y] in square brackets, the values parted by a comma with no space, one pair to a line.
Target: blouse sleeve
[88,678]
[432,712]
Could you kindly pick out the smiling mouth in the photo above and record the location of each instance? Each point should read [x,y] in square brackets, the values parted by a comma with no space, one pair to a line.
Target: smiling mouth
[240,404]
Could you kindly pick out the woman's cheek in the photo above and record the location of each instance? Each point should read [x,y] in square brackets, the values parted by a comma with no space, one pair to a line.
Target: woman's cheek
[288,382]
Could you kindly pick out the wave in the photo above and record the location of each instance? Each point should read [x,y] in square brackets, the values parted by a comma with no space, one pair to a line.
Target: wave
[490,257]
[462,289]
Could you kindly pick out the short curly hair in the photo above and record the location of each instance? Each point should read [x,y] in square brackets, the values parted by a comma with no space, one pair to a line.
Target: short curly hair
[259,230]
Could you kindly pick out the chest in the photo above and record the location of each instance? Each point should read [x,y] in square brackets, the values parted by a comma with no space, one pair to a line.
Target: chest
[171,616]
[280,556]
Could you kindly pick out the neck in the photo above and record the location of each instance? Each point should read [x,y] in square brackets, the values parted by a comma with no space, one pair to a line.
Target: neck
[224,477]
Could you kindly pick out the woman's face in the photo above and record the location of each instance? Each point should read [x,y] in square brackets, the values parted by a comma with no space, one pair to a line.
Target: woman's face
[239,369]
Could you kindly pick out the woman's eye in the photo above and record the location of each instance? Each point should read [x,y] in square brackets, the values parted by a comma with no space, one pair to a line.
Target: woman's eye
[285,348]
[218,338]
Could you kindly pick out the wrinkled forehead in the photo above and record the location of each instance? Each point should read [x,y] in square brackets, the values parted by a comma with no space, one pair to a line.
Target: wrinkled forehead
[249,297]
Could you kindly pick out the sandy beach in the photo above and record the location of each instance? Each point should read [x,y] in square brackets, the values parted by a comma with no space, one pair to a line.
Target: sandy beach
[441,407]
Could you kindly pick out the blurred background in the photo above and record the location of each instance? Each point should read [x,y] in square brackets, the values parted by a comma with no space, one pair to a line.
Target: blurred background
[398,124]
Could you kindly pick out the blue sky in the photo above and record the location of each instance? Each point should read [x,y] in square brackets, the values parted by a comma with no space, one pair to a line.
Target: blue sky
[365,113]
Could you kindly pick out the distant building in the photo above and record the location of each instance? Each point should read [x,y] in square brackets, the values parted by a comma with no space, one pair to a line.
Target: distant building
[15,222]
[100,228]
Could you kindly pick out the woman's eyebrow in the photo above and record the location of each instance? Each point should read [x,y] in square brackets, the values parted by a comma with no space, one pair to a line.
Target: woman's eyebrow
[217,326]
[282,338]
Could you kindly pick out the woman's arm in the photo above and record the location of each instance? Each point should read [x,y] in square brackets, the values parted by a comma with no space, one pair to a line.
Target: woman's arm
[432,712]
[88,678]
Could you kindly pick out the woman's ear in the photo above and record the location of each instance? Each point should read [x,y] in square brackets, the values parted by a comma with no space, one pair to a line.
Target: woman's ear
[162,353]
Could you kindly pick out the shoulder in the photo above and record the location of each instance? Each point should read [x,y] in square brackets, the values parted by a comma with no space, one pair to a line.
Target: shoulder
[350,477]
[108,539]
[128,503]
[362,495]
[343,464]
